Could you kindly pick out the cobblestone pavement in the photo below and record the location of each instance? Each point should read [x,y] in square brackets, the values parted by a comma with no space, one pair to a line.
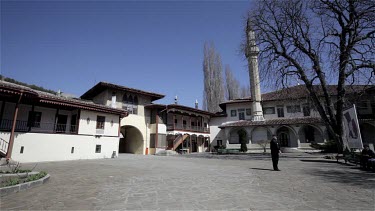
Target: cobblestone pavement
[199,182]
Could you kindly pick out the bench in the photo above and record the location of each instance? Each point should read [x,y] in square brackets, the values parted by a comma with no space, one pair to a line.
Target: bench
[227,151]
[351,158]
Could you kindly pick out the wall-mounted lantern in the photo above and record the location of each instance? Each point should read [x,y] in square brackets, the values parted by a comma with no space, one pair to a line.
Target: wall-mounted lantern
[88,120]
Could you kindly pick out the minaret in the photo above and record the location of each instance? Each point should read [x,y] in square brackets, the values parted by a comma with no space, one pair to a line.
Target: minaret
[251,53]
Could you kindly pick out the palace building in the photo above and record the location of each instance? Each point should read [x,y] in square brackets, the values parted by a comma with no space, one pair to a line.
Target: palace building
[109,119]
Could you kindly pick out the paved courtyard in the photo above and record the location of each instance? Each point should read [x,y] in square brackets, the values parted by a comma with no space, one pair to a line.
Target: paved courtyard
[199,182]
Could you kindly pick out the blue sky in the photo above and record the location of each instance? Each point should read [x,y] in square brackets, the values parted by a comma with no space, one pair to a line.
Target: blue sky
[155,46]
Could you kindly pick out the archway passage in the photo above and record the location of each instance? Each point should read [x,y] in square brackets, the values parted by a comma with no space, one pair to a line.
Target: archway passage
[286,137]
[132,141]
[309,134]
[234,136]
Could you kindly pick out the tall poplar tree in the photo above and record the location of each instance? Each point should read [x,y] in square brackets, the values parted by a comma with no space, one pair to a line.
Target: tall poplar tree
[213,93]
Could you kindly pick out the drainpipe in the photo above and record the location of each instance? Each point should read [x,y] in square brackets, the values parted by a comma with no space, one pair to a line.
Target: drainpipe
[11,139]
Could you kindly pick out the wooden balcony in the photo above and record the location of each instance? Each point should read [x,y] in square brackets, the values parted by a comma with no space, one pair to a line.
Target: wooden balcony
[187,128]
[38,127]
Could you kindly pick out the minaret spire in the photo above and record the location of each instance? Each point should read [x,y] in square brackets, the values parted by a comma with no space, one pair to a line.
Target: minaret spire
[251,53]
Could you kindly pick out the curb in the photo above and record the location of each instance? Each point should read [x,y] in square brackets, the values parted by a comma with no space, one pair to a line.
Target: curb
[24,186]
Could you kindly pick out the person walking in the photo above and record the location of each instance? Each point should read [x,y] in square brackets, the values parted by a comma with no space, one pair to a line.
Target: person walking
[275,149]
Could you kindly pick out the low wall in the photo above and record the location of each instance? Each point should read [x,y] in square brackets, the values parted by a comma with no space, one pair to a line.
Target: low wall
[38,147]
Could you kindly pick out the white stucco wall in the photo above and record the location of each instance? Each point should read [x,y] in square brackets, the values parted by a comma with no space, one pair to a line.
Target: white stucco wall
[236,106]
[215,132]
[39,147]
[89,127]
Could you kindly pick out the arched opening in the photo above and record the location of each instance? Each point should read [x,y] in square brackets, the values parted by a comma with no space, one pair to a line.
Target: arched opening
[260,134]
[367,133]
[234,136]
[132,141]
[194,143]
[183,145]
[286,137]
[310,134]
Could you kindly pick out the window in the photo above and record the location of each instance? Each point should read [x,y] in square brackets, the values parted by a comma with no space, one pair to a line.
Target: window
[152,140]
[98,148]
[248,112]
[134,105]
[34,119]
[72,150]
[175,121]
[130,103]
[280,111]
[162,141]
[233,113]
[293,109]
[113,103]
[205,125]
[205,143]
[306,110]
[21,151]
[241,115]
[269,110]
[61,123]
[73,123]
[100,120]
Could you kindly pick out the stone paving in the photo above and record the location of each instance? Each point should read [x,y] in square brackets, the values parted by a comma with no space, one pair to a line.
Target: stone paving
[199,182]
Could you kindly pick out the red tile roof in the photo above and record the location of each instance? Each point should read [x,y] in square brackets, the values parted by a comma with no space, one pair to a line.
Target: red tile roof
[101,86]
[280,121]
[48,98]
[300,92]
[180,107]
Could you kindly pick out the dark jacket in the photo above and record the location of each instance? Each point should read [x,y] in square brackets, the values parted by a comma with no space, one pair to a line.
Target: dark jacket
[275,148]
[367,153]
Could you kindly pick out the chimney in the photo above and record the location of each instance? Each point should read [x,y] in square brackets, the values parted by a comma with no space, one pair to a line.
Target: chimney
[175,100]
[59,93]
[196,104]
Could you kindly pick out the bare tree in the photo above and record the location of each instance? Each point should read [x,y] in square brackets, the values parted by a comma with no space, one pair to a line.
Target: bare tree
[213,79]
[245,91]
[232,85]
[318,42]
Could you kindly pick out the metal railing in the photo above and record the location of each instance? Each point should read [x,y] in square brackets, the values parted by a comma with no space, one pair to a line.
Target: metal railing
[41,127]
[188,128]
[3,146]
[6,124]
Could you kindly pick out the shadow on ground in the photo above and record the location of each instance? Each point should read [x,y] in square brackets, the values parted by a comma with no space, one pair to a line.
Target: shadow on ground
[261,169]
[319,161]
[350,176]
[248,156]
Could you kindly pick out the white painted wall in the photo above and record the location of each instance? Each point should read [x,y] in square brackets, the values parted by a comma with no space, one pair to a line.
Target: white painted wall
[236,106]
[39,147]
[89,127]
[215,132]
[162,128]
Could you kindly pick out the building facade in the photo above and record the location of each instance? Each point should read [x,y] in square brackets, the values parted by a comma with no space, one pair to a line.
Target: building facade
[38,126]
[290,115]
[109,119]
[150,128]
